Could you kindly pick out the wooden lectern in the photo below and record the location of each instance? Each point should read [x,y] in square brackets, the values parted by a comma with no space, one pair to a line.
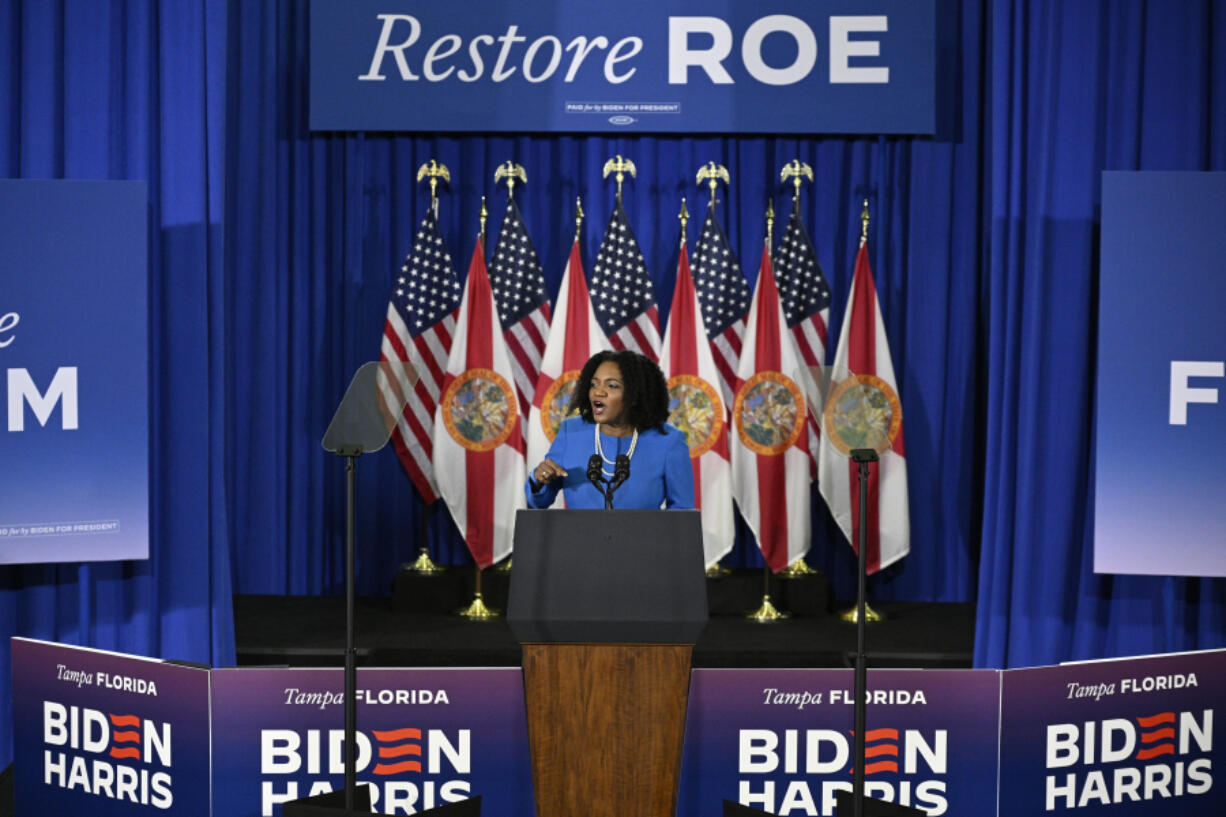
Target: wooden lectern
[607,606]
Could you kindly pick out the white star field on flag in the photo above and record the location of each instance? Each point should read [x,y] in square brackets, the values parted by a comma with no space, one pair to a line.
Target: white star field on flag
[523,303]
[622,294]
[803,289]
[724,295]
[427,289]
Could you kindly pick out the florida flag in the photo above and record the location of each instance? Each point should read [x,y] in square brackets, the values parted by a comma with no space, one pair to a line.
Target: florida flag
[863,376]
[770,451]
[478,440]
[695,407]
[574,336]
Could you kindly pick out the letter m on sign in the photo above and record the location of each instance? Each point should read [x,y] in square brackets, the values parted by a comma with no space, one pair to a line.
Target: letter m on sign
[63,390]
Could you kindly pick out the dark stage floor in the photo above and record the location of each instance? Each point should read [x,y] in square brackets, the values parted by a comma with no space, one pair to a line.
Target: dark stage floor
[409,629]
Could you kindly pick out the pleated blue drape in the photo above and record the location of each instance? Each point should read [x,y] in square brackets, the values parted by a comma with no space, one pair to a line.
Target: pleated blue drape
[274,249]
[137,91]
[319,222]
[1077,89]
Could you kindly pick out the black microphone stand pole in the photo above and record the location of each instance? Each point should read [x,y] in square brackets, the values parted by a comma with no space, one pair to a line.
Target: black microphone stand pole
[351,671]
[862,456]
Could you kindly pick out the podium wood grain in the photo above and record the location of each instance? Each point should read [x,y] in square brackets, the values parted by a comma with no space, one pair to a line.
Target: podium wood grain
[605,724]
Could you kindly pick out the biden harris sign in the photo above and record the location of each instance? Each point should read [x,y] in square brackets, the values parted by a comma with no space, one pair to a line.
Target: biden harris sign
[781,66]
[74,370]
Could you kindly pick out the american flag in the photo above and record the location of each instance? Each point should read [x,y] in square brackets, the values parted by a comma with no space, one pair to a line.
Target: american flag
[523,303]
[421,316]
[724,295]
[622,294]
[803,291]
[804,295]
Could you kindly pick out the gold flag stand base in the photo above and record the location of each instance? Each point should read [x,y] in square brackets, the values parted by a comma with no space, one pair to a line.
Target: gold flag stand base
[424,565]
[504,566]
[870,615]
[717,571]
[478,611]
[799,570]
[767,612]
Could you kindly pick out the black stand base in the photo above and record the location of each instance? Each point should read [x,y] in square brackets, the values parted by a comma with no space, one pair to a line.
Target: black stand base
[329,804]
[332,804]
[845,805]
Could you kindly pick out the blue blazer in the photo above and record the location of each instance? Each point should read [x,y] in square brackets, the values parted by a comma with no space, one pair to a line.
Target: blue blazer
[660,471]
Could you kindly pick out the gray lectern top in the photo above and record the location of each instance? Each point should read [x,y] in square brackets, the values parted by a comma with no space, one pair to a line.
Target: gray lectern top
[628,577]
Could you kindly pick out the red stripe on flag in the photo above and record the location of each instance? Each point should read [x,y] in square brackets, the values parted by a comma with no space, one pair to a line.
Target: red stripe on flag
[478,475]
[393,338]
[682,353]
[578,305]
[683,356]
[807,353]
[772,482]
[523,362]
[409,463]
[862,359]
[636,339]
[420,433]
[479,465]
[433,367]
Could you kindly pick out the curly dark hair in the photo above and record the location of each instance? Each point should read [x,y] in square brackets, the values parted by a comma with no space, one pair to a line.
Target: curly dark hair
[645,391]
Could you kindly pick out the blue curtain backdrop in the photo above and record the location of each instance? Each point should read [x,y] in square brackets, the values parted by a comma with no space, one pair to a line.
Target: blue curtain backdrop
[137,91]
[274,249]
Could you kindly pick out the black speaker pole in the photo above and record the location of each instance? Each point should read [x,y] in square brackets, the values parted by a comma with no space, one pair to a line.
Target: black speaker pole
[862,457]
[351,671]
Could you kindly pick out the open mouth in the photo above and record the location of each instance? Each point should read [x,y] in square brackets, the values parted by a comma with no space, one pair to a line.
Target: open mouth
[597,408]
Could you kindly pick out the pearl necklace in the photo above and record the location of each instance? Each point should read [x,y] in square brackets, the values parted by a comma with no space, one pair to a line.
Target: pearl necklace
[634,441]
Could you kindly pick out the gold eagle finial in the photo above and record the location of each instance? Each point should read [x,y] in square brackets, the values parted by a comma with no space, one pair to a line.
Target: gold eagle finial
[621,167]
[510,171]
[713,174]
[434,171]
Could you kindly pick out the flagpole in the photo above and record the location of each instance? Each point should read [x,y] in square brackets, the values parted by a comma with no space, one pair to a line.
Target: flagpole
[423,565]
[713,174]
[852,615]
[621,167]
[510,171]
[477,610]
[767,612]
[797,171]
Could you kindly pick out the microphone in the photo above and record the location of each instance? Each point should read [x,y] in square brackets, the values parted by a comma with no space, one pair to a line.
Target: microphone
[593,472]
[621,472]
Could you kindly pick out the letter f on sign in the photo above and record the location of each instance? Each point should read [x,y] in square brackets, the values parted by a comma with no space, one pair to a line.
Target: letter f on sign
[1182,394]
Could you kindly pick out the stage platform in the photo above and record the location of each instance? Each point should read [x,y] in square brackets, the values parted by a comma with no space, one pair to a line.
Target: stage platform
[416,627]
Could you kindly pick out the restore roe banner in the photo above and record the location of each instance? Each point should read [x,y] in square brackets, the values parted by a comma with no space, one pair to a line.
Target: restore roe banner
[780,66]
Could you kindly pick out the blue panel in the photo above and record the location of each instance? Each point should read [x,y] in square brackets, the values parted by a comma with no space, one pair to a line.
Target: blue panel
[1161,457]
[788,66]
[74,361]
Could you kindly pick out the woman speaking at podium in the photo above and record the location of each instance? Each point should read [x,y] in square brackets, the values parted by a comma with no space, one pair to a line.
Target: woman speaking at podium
[622,404]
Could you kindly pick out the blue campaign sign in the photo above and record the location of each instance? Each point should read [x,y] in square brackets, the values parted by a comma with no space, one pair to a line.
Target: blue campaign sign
[1130,736]
[1161,419]
[781,740]
[639,66]
[74,366]
[106,734]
